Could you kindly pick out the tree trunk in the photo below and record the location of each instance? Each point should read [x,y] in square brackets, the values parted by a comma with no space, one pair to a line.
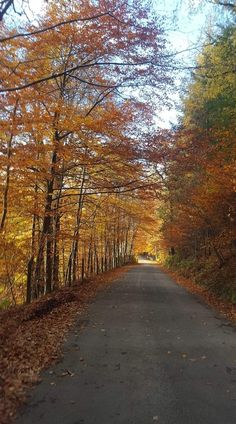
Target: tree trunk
[8,170]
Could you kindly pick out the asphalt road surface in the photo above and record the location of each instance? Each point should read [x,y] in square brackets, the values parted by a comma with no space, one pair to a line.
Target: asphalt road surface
[148,352]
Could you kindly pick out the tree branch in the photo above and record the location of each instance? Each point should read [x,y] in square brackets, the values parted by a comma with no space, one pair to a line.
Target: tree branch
[4,6]
[52,27]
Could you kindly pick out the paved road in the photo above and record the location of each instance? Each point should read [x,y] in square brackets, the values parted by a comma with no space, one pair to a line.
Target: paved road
[149,353]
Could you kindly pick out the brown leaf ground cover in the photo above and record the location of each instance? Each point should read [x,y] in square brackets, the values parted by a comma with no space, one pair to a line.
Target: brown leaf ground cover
[226,308]
[31,337]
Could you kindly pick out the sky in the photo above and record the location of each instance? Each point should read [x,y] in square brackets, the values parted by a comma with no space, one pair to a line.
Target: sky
[185,30]
[190,21]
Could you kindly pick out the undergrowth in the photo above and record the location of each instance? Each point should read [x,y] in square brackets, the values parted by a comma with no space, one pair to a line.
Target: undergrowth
[207,273]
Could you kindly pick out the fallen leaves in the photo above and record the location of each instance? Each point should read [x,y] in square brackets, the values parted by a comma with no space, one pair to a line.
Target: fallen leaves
[31,336]
[224,307]
[66,372]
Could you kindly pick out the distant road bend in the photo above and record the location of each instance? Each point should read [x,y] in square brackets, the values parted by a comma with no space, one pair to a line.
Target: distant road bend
[149,352]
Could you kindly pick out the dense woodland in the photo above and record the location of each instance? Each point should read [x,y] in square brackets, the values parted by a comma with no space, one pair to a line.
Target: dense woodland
[199,211]
[87,180]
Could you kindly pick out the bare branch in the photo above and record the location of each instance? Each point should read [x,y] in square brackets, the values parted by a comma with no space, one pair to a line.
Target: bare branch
[52,27]
[99,101]
[4,6]
[90,65]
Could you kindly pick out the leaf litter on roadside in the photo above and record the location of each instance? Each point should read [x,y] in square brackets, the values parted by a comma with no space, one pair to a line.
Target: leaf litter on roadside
[32,335]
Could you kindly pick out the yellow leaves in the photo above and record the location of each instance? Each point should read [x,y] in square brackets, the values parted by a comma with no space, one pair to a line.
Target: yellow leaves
[75,172]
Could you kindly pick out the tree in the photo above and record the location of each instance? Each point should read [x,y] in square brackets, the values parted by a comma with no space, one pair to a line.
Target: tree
[198,209]
[77,142]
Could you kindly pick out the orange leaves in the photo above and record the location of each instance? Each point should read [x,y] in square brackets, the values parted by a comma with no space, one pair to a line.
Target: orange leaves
[199,201]
[84,77]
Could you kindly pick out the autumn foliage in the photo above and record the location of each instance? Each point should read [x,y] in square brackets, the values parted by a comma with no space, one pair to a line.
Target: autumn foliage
[75,97]
[86,180]
[199,205]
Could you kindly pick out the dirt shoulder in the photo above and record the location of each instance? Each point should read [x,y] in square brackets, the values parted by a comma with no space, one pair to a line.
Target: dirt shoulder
[31,337]
[227,309]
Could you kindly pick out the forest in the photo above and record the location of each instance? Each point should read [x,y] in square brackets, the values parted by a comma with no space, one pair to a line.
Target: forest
[87,179]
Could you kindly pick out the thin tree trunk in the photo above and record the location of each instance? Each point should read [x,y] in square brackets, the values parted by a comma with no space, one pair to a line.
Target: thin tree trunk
[56,228]
[8,170]
[73,257]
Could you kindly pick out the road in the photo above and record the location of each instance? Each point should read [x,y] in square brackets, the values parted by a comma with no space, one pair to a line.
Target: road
[148,352]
